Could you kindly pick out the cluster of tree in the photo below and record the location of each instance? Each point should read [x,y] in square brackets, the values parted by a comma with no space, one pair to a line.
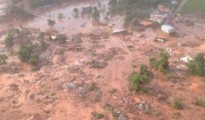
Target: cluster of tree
[195,67]
[26,54]
[17,12]
[133,9]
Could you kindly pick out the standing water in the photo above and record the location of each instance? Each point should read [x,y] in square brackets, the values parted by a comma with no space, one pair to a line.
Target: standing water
[69,24]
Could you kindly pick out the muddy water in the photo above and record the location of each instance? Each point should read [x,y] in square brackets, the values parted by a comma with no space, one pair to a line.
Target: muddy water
[3,5]
[68,24]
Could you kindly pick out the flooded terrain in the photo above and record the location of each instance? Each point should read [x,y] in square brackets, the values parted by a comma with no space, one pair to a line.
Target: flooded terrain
[79,69]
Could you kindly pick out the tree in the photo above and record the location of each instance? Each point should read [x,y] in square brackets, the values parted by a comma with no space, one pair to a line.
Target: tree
[76,12]
[62,38]
[51,23]
[33,59]
[139,78]
[3,59]
[9,41]
[196,66]
[25,52]
[96,14]
[60,16]
[162,63]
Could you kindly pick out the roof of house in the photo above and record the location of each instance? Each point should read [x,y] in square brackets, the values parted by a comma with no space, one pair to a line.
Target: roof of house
[167,28]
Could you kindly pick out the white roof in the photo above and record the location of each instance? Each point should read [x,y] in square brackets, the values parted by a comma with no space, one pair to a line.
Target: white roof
[118,31]
[167,28]
[186,59]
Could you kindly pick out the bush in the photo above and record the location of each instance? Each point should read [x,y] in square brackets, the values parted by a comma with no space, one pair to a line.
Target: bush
[96,14]
[177,105]
[62,38]
[25,54]
[200,102]
[139,78]
[60,16]
[97,115]
[33,59]
[3,59]
[161,64]
[43,45]
[76,12]
[87,10]
[196,66]
[9,41]
[41,35]
[91,86]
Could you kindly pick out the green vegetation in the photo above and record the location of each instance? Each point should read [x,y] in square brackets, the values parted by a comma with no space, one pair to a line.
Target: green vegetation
[139,78]
[91,86]
[194,6]
[17,12]
[3,59]
[86,10]
[196,66]
[96,14]
[61,16]
[43,44]
[200,102]
[51,23]
[133,9]
[26,54]
[76,12]
[41,35]
[62,38]
[177,105]
[9,41]
[161,64]
[97,115]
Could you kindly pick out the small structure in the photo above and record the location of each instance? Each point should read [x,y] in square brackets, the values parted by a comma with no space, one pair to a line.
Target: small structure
[118,31]
[53,37]
[168,29]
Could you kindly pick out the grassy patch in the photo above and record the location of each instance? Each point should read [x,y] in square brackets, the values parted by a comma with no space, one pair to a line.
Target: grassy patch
[97,115]
[194,6]
[200,102]
[177,105]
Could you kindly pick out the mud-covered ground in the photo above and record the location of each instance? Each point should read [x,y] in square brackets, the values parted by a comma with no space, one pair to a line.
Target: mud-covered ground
[89,73]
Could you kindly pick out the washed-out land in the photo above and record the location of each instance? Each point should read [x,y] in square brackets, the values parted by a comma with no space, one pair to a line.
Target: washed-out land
[82,60]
